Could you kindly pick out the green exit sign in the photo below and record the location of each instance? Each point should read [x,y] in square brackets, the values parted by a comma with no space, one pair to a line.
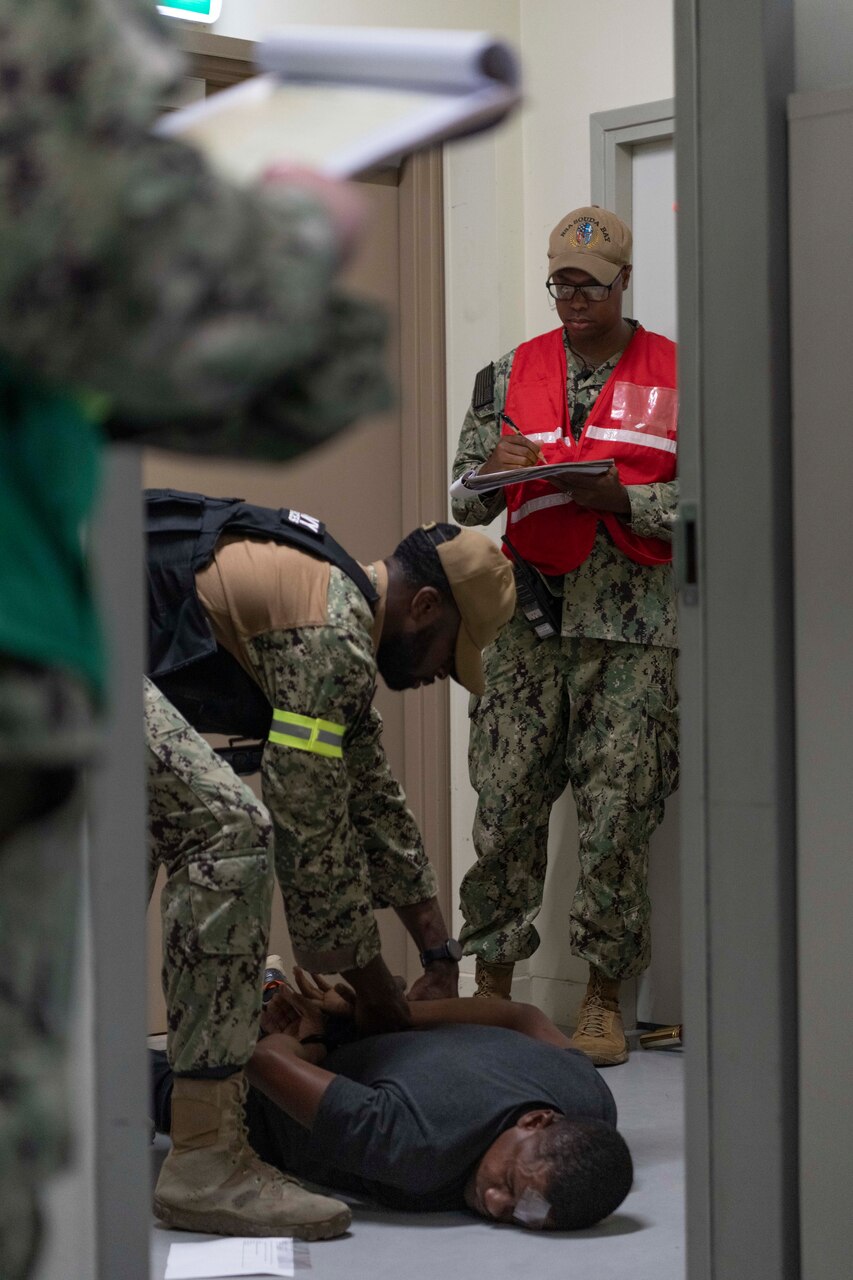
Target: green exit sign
[193,10]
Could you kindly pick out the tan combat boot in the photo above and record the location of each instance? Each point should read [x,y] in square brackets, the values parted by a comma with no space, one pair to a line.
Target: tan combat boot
[212,1181]
[599,1033]
[494,981]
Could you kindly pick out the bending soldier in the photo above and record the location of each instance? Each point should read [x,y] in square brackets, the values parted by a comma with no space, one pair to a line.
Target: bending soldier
[265,597]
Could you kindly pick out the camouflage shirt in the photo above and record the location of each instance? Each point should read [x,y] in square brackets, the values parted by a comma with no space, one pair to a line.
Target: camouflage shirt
[346,841]
[609,596]
[137,286]
[203,314]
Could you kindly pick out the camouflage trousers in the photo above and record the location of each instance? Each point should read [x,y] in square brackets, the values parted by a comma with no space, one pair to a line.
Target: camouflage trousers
[214,839]
[601,716]
[47,735]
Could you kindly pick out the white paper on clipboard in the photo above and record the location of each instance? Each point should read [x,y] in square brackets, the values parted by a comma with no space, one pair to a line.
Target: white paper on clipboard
[474,482]
[344,100]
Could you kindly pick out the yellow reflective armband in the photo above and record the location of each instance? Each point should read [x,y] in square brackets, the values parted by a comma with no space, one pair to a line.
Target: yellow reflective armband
[304,734]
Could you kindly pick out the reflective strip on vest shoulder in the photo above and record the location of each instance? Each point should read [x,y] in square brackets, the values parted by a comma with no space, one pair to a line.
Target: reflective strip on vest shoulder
[546,437]
[304,734]
[643,438]
[538,504]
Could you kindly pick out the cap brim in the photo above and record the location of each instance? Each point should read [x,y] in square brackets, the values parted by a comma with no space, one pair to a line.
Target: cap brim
[601,269]
[469,663]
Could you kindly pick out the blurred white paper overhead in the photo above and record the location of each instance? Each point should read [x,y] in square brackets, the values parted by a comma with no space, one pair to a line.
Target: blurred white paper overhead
[346,99]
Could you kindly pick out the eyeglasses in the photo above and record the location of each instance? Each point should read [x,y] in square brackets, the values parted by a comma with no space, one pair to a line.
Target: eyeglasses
[591,292]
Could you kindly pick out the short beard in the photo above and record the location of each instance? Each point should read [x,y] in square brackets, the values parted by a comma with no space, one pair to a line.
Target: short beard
[397,659]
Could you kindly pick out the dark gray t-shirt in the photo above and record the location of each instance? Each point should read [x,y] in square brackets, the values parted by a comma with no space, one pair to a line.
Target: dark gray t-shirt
[411,1113]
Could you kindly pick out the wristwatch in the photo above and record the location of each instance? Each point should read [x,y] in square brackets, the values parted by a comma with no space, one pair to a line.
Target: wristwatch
[449,950]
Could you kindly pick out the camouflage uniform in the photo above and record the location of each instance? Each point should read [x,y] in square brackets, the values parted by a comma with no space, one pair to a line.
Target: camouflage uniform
[215,841]
[128,268]
[345,840]
[594,707]
[46,729]
[136,288]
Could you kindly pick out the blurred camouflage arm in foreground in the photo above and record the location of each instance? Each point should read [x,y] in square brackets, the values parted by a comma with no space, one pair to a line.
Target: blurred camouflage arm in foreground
[298,410]
[127,268]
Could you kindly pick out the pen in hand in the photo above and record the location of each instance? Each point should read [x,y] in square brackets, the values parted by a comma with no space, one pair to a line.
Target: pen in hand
[509,422]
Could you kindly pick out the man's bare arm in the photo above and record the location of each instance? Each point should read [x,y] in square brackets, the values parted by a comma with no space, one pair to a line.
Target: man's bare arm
[474,1011]
[425,924]
[316,994]
[295,1085]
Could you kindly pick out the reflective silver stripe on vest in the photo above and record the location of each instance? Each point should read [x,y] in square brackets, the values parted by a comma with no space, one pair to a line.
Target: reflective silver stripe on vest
[538,504]
[643,438]
[545,437]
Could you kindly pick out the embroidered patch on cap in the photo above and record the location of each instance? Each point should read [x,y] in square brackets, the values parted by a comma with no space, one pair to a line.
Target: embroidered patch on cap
[590,239]
[586,234]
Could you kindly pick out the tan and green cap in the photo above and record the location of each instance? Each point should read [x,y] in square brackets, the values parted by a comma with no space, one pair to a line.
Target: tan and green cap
[483,586]
[590,239]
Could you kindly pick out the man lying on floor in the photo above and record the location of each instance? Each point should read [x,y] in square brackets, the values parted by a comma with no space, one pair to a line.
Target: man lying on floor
[482,1105]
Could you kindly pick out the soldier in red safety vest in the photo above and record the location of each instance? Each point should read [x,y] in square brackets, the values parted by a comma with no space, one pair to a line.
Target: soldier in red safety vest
[580,684]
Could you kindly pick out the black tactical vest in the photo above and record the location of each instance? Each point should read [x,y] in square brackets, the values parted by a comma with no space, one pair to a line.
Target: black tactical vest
[206,684]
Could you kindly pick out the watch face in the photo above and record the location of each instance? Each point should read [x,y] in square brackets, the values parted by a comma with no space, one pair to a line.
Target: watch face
[449,950]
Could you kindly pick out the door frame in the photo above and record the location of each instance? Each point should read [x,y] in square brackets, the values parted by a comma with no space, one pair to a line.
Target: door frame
[734,69]
[613,135]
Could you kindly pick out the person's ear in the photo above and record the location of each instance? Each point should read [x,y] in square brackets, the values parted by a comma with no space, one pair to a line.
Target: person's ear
[425,605]
[540,1119]
[626,277]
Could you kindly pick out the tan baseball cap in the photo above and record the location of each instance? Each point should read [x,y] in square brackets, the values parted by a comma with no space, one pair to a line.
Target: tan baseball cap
[590,239]
[483,586]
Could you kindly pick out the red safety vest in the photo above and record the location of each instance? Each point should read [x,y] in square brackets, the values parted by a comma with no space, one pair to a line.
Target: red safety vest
[634,420]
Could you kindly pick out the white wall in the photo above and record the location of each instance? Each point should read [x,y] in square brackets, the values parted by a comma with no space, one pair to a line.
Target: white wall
[503,194]
[653,280]
[579,60]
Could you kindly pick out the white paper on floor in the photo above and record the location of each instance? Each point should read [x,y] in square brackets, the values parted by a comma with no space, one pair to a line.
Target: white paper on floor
[232,1256]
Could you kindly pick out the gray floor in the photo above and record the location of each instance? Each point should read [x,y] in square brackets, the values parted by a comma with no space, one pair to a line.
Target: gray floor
[644,1240]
